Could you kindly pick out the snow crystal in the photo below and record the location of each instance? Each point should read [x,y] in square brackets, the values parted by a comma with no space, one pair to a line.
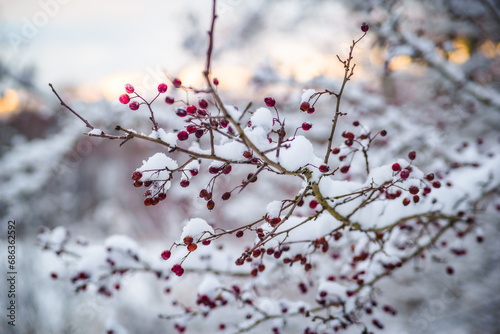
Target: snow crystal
[156,167]
[262,118]
[210,287]
[95,132]
[195,228]
[307,95]
[299,154]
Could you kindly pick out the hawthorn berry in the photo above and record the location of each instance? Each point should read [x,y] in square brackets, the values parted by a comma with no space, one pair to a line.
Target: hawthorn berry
[311,110]
[239,234]
[203,193]
[306,126]
[162,196]
[450,270]
[203,103]
[148,201]
[178,270]
[191,128]
[404,174]
[193,172]
[227,169]
[345,169]
[304,106]
[177,83]
[355,123]
[206,242]
[413,190]
[165,255]
[129,88]
[136,176]
[313,204]
[336,150]
[210,205]
[188,240]
[199,133]
[270,102]
[192,247]
[124,98]
[364,27]
[412,155]
[436,184]
[383,133]
[226,195]
[191,109]
[184,183]
[162,88]
[53,275]
[324,168]
[213,170]
[416,199]
[181,112]
[182,135]
[216,81]
[133,105]
[406,201]
[169,100]
[396,167]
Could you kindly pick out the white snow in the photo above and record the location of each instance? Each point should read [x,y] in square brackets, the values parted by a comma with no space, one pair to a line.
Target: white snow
[195,228]
[307,95]
[262,118]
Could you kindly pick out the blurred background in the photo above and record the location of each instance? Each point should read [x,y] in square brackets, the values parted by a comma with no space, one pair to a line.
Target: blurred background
[428,71]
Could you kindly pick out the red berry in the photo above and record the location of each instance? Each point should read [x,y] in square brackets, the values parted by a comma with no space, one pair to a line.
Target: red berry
[199,133]
[182,135]
[191,128]
[203,103]
[124,99]
[355,123]
[383,133]
[203,193]
[181,112]
[396,167]
[136,176]
[129,88]
[270,102]
[404,174]
[239,234]
[450,270]
[193,172]
[227,169]
[256,252]
[436,184]
[191,109]
[427,190]
[311,110]
[306,126]
[364,27]
[412,155]
[344,169]
[226,195]
[133,105]
[53,275]
[213,170]
[188,240]
[177,83]
[169,100]
[192,247]
[313,204]
[166,254]
[429,177]
[148,201]
[216,81]
[178,270]
[324,168]
[210,205]
[406,201]
[162,88]
[416,199]
[304,106]
[206,242]
[336,150]
[162,196]
[413,190]
[184,183]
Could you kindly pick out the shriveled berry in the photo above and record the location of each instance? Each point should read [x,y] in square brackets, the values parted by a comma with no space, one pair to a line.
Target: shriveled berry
[177,83]
[406,201]
[133,105]
[129,88]
[162,88]
[199,133]
[182,135]
[166,255]
[304,106]
[210,205]
[203,193]
[306,126]
[396,167]
[412,155]
[162,196]
[124,98]
[226,196]
[364,27]
[148,201]
[270,102]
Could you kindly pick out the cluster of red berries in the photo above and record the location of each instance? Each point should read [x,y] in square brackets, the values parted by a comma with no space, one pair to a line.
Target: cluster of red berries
[152,197]
[134,105]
